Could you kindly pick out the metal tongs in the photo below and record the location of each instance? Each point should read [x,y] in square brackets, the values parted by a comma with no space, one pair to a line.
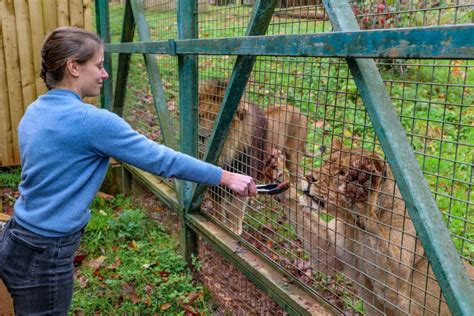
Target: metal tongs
[272,188]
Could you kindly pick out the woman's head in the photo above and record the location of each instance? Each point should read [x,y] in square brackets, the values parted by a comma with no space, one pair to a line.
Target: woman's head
[63,45]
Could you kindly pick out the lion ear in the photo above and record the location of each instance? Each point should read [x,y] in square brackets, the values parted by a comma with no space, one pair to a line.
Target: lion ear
[379,164]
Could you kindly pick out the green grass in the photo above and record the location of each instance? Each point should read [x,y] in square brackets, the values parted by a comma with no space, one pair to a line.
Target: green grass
[132,266]
[10,177]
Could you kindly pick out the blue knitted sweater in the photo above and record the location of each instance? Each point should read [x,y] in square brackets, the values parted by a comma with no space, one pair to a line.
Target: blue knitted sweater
[65,146]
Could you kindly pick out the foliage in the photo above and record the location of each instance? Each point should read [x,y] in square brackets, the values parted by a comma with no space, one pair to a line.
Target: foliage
[10,177]
[130,266]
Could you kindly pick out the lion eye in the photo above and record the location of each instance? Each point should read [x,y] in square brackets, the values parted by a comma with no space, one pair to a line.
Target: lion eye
[342,172]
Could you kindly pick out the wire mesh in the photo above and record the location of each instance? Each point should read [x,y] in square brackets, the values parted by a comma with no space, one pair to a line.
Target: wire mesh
[140,110]
[232,293]
[362,256]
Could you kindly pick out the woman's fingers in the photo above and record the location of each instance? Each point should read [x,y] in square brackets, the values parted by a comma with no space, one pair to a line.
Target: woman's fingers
[242,184]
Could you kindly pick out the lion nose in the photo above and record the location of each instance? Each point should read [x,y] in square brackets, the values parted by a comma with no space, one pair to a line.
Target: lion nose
[309,177]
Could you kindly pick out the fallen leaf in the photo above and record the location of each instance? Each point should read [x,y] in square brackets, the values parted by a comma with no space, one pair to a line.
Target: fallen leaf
[269,243]
[95,263]
[83,281]
[79,258]
[148,288]
[115,265]
[165,306]
[104,196]
[134,298]
[134,245]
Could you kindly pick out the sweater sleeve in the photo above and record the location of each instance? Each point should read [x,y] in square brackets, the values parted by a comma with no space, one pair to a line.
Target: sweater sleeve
[111,136]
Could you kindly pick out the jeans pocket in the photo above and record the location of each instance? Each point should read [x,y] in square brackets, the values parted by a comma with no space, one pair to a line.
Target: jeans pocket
[19,259]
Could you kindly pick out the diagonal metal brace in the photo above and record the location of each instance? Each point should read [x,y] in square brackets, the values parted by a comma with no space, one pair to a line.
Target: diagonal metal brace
[154,77]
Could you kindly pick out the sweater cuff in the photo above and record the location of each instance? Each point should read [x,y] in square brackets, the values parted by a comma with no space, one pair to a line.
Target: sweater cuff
[215,175]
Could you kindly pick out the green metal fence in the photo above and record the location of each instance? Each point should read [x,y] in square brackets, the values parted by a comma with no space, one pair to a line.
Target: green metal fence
[341,89]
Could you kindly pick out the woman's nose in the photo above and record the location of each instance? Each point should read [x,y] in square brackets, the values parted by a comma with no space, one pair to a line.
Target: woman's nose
[105,75]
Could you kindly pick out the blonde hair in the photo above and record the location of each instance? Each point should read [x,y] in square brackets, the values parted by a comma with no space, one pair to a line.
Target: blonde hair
[63,44]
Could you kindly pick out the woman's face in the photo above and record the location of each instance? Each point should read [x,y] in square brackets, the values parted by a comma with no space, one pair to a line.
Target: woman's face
[92,75]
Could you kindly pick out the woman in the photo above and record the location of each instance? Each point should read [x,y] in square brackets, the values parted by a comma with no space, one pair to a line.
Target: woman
[65,146]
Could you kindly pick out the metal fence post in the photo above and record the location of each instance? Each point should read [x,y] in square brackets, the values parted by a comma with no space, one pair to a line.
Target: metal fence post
[103,29]
[128,30]
[188,94]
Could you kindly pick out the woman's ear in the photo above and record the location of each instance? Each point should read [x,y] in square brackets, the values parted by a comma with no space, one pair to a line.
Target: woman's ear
[71,67]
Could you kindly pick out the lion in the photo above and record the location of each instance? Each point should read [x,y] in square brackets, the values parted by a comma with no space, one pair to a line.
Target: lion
[374,237]
[252,135]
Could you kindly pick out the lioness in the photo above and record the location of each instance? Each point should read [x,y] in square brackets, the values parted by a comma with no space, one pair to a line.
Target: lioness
[252,136]
[375,239]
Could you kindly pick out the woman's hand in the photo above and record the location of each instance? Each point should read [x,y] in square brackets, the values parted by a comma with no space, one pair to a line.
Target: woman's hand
[242,185]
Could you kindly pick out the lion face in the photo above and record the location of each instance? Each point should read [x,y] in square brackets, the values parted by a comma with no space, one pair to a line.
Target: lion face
[209,101]
[344,182]
[243,128]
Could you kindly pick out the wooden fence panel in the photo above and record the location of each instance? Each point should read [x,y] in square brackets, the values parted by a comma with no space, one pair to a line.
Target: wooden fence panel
[6,145]
[37,36]
[10,45]
[49,9]
[63,12]
[27,70]
[23,26]
[76,12]
[87,14]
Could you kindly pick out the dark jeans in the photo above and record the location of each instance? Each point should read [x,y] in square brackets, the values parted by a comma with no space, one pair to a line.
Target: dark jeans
[38,271]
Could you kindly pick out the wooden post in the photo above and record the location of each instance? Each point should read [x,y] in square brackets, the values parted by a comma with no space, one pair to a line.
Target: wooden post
[6,138]
[12,70]
[6,303]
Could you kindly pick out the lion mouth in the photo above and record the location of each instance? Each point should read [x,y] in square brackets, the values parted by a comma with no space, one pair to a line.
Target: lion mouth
[320,203]
[317,200]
